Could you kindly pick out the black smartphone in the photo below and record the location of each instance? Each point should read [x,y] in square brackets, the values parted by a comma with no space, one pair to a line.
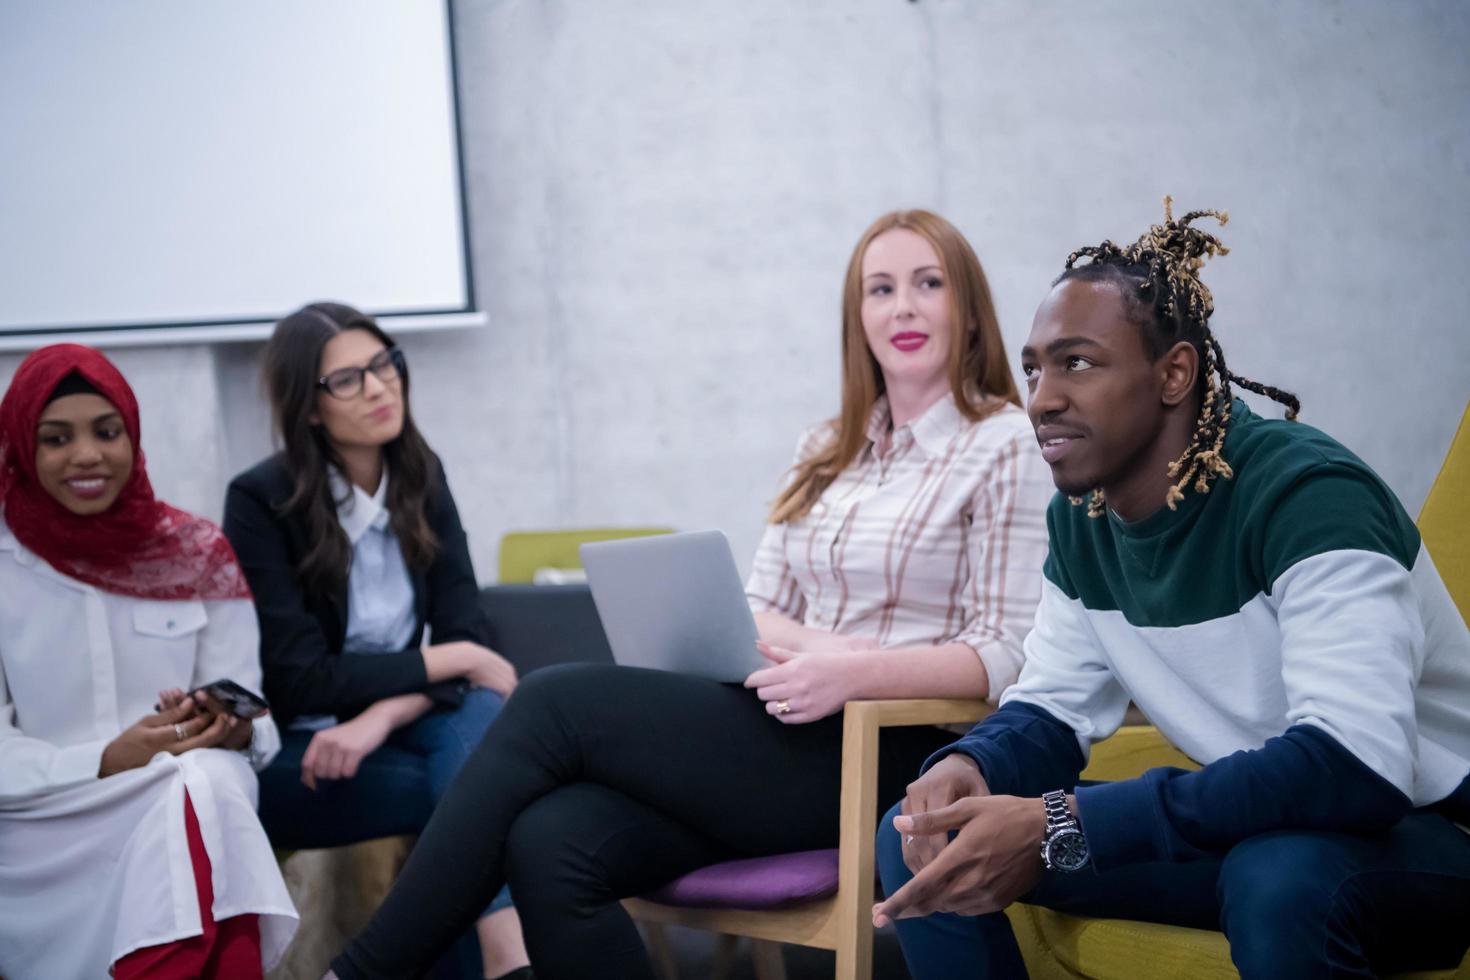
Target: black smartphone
[238,701]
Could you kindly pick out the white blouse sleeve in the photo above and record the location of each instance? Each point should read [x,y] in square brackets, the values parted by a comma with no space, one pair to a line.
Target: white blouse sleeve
[772,587]
[32,767]
[229,649]
[1007,547]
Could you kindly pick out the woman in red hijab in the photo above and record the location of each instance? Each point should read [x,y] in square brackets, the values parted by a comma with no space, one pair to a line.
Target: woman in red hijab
[128,836]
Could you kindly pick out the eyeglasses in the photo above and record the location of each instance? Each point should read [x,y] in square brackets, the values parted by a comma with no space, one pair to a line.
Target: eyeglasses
[389,365]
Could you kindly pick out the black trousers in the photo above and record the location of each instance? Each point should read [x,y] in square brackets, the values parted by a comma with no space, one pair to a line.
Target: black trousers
[600,782]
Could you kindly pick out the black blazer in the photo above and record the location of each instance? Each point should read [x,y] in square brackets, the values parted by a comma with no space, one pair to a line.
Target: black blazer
[301,634]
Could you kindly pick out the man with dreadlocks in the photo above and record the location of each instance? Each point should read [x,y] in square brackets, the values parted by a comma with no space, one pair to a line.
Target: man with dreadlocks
[1260,593]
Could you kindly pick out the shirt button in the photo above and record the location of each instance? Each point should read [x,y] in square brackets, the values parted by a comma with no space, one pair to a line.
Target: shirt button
[169,624]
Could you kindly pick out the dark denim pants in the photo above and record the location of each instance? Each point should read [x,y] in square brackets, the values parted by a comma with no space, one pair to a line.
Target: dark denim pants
[1294,904]
[394,792]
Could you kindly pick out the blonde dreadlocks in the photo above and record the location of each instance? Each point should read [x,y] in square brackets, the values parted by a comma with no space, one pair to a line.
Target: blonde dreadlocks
[1162,290]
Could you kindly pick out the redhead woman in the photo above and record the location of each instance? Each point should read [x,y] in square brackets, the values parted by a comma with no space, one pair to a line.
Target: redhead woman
[350,539]
[128,837]
[903,559]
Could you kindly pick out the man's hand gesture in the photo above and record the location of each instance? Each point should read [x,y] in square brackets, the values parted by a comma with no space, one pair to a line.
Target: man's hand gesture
[994,859]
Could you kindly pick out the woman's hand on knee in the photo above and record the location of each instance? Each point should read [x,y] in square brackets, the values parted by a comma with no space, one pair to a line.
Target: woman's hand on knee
[493,672]
[337,752]
[479,665]
[801,687]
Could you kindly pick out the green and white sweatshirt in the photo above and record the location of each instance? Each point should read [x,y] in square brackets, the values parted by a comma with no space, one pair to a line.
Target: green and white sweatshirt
[1287,630]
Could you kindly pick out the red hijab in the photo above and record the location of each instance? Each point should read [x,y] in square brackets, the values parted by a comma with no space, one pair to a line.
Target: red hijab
[140,546]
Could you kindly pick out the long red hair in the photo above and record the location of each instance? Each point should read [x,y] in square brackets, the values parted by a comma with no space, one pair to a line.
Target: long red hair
[979,378]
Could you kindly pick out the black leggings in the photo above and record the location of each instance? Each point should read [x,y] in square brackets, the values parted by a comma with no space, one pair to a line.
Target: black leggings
[599,782]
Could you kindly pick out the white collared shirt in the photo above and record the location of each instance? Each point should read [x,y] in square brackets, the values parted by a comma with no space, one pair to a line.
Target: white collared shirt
[380,615]
[380,608]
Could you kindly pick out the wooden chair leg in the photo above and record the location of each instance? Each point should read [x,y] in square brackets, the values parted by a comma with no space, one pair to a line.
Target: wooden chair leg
[859,824]
[855,950]
[767,959]
[660,950]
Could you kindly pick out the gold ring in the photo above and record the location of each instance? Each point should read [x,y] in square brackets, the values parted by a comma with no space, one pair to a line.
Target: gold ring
[783,707]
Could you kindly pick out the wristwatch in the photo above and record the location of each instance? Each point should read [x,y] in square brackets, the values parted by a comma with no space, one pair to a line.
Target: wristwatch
[1063,846]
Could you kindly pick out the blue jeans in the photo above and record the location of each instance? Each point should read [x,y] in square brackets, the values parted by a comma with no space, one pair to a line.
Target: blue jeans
[1294,904]
[394,792]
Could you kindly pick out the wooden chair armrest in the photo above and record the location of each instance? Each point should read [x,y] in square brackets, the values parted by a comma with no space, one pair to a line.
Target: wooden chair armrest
[862,721]
[917,711]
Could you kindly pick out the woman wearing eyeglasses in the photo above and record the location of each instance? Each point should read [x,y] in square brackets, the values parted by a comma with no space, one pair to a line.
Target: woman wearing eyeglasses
[352,545]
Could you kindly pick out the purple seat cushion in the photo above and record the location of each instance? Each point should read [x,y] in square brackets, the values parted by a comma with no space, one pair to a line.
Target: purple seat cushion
[755,883]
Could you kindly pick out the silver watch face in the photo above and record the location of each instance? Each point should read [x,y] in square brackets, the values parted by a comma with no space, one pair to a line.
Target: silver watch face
[1067,851]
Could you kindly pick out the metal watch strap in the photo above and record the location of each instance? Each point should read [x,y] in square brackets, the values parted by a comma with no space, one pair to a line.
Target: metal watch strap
[1057,813]
[1062,832]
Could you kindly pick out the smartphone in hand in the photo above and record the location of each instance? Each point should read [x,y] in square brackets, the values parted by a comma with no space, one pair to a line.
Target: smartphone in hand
[238,701]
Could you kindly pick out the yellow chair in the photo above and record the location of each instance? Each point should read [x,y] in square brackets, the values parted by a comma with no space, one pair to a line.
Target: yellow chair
[842,922]
[523,553]
[1057,946]
[1444,518]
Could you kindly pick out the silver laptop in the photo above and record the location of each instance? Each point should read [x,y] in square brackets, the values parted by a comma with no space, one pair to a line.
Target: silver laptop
[674,602]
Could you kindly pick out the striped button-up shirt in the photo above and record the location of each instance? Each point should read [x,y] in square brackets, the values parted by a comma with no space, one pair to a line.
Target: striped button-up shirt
[937,539]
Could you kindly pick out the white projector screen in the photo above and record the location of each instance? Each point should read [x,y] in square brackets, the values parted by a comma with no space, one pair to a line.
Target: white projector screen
[182,170]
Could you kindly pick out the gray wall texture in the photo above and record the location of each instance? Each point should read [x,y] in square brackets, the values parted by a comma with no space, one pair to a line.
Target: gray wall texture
[663,196]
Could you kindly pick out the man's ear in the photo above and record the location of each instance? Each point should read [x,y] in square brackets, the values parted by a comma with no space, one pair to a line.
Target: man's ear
[1178,368]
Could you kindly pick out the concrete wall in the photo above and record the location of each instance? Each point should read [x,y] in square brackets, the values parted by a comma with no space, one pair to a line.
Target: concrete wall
[663,196]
